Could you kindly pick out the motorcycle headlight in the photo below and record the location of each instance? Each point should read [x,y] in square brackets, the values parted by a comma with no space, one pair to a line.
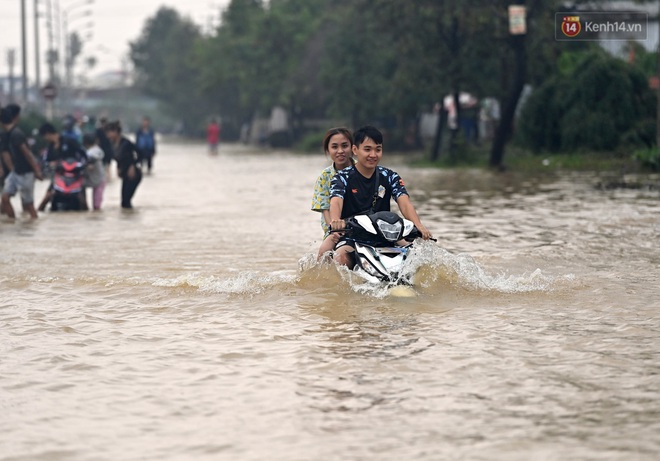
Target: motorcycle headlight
[390,231]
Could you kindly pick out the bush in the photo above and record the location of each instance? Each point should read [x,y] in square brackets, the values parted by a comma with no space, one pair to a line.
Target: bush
[29,124]
[279,139]
[311,142]
[648,158]
[541,115]
[599,104]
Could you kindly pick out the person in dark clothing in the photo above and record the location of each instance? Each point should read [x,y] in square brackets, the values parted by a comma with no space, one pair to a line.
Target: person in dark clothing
[24,166]
[4,166]
[70,129]
[128,161]
[60,148]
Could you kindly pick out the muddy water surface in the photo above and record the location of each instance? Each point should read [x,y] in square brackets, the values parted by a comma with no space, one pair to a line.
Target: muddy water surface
[197,328]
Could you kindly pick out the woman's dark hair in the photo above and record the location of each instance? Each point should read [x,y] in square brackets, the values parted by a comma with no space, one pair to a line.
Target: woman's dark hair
[365,132]
[113,126]
[333,131]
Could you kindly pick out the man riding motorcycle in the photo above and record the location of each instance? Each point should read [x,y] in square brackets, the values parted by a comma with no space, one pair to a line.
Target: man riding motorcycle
[367,188]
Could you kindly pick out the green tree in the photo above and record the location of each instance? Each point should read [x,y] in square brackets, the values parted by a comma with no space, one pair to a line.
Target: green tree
[300,27]
[403,57]
[359,61]
[598,102]
[228,63]
[163,57]
[254,60]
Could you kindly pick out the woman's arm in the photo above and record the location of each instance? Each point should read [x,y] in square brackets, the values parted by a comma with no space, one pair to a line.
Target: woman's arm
[321,198]
[326,216]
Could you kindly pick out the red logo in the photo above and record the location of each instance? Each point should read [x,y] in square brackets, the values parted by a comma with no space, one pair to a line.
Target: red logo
[354,191]
[571,26]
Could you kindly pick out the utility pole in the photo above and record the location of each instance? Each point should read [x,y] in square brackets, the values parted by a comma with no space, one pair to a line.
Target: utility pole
[37,52]
[24,57]
[657,90]
[517,32]
[11,60]
[51,55]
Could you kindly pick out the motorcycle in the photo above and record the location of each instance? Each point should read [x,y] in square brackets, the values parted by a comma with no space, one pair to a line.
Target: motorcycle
[382,242]
[68,185]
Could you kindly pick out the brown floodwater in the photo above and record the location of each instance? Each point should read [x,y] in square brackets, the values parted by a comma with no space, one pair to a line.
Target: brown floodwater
[198,327]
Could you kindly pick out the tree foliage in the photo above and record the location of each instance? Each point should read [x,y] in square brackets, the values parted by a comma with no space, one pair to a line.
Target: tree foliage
[363,61]
[598,102]
[164,62]
[255,59]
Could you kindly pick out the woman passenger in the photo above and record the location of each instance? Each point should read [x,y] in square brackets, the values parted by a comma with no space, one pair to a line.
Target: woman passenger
[337,144]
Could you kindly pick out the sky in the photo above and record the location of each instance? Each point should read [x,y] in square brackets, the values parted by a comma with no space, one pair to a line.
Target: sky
[110,25]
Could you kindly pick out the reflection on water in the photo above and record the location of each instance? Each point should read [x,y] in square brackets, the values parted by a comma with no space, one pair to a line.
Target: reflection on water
[200,327]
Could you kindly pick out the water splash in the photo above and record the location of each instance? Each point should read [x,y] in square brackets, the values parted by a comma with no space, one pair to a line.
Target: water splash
[431,269]
[429,265]
[244,283]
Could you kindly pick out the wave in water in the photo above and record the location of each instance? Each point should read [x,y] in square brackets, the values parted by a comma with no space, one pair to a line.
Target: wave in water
[432,269]
[431,264]
[245,283]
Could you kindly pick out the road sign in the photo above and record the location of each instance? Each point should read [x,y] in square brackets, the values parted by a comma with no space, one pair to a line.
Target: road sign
[49,91]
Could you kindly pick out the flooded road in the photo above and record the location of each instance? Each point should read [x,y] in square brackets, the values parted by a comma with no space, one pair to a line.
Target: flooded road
[197,327]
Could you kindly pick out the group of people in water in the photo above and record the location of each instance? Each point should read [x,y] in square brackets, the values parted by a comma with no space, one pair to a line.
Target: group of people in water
[78,160]
[355,184]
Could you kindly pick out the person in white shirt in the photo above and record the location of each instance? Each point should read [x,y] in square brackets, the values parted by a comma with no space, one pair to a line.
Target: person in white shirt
[95,172]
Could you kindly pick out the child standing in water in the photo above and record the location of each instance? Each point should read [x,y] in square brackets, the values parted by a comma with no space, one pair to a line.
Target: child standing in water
[95,172]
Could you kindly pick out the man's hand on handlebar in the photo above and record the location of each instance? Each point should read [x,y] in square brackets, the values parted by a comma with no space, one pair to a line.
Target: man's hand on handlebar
[337,225]
[424,232]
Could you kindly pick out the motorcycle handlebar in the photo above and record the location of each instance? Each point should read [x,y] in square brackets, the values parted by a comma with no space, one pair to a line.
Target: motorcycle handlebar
[409,238]
[349,226]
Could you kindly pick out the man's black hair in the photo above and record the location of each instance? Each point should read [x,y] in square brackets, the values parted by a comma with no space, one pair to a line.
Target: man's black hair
[365,132]
[113,126]
[47,128]
[9,113]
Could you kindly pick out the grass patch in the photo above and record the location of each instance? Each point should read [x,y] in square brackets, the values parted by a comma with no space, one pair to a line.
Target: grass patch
[649,158]
[464,156]
[518,159]
[591,161]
